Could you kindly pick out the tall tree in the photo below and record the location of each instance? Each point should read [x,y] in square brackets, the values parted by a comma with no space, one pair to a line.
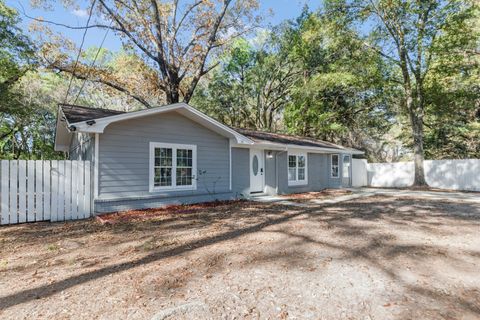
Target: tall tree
[408,34]
[176,40]
[26,127]
[340,94]
[251,86]
[16,54]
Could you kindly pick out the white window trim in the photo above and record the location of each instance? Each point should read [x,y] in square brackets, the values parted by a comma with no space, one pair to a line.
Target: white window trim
[174,147]
[338,166]
[298,182]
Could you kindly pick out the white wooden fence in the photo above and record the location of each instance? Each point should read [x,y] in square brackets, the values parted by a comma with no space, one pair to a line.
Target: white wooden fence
[442,174]
[36,190]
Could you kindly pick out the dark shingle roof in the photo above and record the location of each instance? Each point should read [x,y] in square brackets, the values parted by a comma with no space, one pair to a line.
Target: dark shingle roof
[75,113]
[259,136]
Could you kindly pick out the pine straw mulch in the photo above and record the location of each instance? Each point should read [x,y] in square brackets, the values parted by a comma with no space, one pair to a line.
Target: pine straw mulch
[145,214]
[316,195]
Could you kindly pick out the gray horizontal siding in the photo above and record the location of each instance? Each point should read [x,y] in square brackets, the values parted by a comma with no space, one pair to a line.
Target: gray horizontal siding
[241,172]
[319,174]
[314,169]
[82,146]
[124,157]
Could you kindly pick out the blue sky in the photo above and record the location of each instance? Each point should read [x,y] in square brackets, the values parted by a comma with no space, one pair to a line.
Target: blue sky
[282,9]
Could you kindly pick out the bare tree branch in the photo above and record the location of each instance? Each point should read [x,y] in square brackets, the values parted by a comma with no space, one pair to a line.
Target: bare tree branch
[111,84]
[124,30]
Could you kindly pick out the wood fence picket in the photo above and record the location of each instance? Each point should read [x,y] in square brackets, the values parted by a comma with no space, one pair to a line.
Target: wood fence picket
[39,190]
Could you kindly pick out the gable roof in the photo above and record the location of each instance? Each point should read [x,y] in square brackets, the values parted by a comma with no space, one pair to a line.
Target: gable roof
[75,113]
[261,136]
[95,120]
[92,120]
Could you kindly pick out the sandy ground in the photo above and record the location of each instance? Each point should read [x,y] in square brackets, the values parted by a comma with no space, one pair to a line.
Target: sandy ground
[372,258]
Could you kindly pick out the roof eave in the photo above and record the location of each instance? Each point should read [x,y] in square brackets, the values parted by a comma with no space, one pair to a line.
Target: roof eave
[99,125]
[282,146]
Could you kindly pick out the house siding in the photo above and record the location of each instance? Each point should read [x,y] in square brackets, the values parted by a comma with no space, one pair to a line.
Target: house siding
[123,167]
[319,174]
[334,182]
[240,172]
[314,174]
[124,151]
[82,146]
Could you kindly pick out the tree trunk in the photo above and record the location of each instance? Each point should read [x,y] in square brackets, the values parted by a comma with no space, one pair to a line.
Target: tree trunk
[415,112]
[173,94]
[416,119]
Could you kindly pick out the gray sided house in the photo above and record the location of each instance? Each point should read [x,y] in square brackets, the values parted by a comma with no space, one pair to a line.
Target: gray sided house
[176,154]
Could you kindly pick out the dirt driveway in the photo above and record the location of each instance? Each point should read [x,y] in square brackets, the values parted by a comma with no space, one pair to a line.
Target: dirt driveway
[380,257]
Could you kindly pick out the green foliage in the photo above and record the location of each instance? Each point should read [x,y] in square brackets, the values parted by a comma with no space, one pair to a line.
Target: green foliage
[432,47]
[15,48]
[27,123]
[310,78]
[341,96]
[453,89]
[28,131]
[250,88]
[16,55]
[333,75]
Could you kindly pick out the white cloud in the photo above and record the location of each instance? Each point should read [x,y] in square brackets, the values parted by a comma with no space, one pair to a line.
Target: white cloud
[81,13]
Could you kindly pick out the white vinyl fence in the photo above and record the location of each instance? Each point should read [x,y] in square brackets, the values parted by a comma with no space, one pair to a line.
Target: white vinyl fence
[442,174]
[36,190]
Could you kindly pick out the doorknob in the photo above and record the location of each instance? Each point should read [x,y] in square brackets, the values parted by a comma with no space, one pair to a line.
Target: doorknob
[261,171]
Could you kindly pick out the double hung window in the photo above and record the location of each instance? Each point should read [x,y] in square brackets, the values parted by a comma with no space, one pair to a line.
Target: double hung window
[297,169]
[172,166]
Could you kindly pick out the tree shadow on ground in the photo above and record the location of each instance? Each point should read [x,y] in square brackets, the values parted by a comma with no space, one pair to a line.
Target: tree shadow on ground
[355,222]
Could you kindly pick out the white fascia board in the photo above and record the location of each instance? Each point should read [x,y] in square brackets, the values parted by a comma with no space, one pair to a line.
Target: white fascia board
[298,148]
[269,146]
[323,150]
[100,124]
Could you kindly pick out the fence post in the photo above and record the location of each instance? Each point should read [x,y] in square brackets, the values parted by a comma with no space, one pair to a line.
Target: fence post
[5,179]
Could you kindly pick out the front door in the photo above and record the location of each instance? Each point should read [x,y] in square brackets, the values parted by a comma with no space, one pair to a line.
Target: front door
[256,170]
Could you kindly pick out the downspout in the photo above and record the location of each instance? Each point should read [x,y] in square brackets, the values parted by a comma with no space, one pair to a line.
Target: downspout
[276,168]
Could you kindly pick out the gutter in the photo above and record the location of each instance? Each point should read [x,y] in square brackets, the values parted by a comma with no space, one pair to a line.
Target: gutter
[280,147]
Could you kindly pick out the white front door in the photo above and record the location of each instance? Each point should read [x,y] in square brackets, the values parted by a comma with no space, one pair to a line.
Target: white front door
[257,171]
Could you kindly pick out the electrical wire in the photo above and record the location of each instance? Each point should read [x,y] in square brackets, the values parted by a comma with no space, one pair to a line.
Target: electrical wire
[91,66]
[79,51]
